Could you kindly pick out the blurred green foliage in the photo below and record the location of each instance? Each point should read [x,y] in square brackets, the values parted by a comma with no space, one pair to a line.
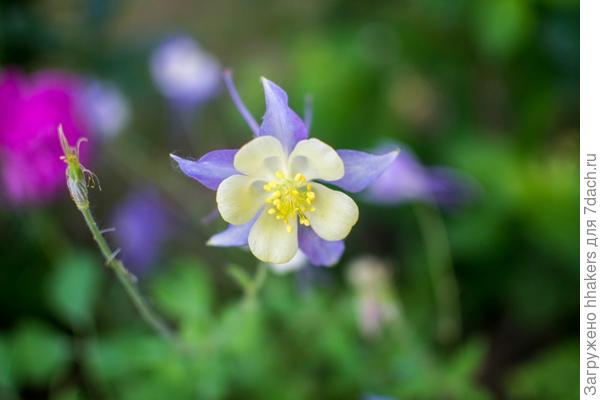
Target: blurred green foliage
[73,289]
[537,378]
[38,353]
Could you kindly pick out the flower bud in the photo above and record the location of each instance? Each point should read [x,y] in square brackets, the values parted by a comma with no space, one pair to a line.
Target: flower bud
[77,190]
[75,172]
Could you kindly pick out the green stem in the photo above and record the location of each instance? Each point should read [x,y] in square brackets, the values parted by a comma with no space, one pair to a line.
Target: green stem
[443,278]
[126,279]
[250,285]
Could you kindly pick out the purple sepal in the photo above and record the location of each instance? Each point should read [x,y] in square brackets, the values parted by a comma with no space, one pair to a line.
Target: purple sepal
[239,104]
[362,169]
[279,120]
[450,188]
[405,180]
[320,253]
[210,169]
[308,113]
[408,180]
[233,236]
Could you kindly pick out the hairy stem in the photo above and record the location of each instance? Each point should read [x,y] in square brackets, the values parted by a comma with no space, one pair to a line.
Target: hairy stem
[78,180]
[126,279]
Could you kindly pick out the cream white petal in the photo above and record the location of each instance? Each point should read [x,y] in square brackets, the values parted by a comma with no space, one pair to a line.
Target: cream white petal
[261,158]
[270,241]
[335,213]
[239,198]
[297,262]
[316,160]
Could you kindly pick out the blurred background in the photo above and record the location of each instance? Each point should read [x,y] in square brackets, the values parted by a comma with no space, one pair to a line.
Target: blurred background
[459,281]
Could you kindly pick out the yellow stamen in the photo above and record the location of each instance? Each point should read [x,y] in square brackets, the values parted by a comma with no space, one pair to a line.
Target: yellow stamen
[300,178]
[290,199]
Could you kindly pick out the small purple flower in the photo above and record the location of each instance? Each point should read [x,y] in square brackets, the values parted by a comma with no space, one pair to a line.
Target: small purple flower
[270,190]
[142,224]
[408,180]
[31,108]
[106,109]
[183,72]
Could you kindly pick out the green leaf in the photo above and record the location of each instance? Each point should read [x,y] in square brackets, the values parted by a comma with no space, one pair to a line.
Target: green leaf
[73,289]
[183,292]
[461,370]
[70,393]
[240,276]
[38,353]
[120,356]
[501,26]
[467,361]
[6,374]
[552,375]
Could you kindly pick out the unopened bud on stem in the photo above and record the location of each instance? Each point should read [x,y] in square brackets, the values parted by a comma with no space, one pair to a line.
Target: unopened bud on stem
[75,172]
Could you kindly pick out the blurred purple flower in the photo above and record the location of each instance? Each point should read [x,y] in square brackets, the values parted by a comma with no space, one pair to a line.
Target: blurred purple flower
[31,108]
[142,224]
[106,109]
[408,180]
[244,200]
[183,72]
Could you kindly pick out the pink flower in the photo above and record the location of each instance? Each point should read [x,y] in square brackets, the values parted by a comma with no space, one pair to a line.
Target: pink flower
[31,108]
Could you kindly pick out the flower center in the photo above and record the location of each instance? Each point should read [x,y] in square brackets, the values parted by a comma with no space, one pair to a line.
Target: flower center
[290,198]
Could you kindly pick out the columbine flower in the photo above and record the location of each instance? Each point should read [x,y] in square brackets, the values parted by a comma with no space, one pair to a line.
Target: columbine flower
[270,190]
[30,110]
[142,225]
[106,109]
[408,180]
[183,72]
